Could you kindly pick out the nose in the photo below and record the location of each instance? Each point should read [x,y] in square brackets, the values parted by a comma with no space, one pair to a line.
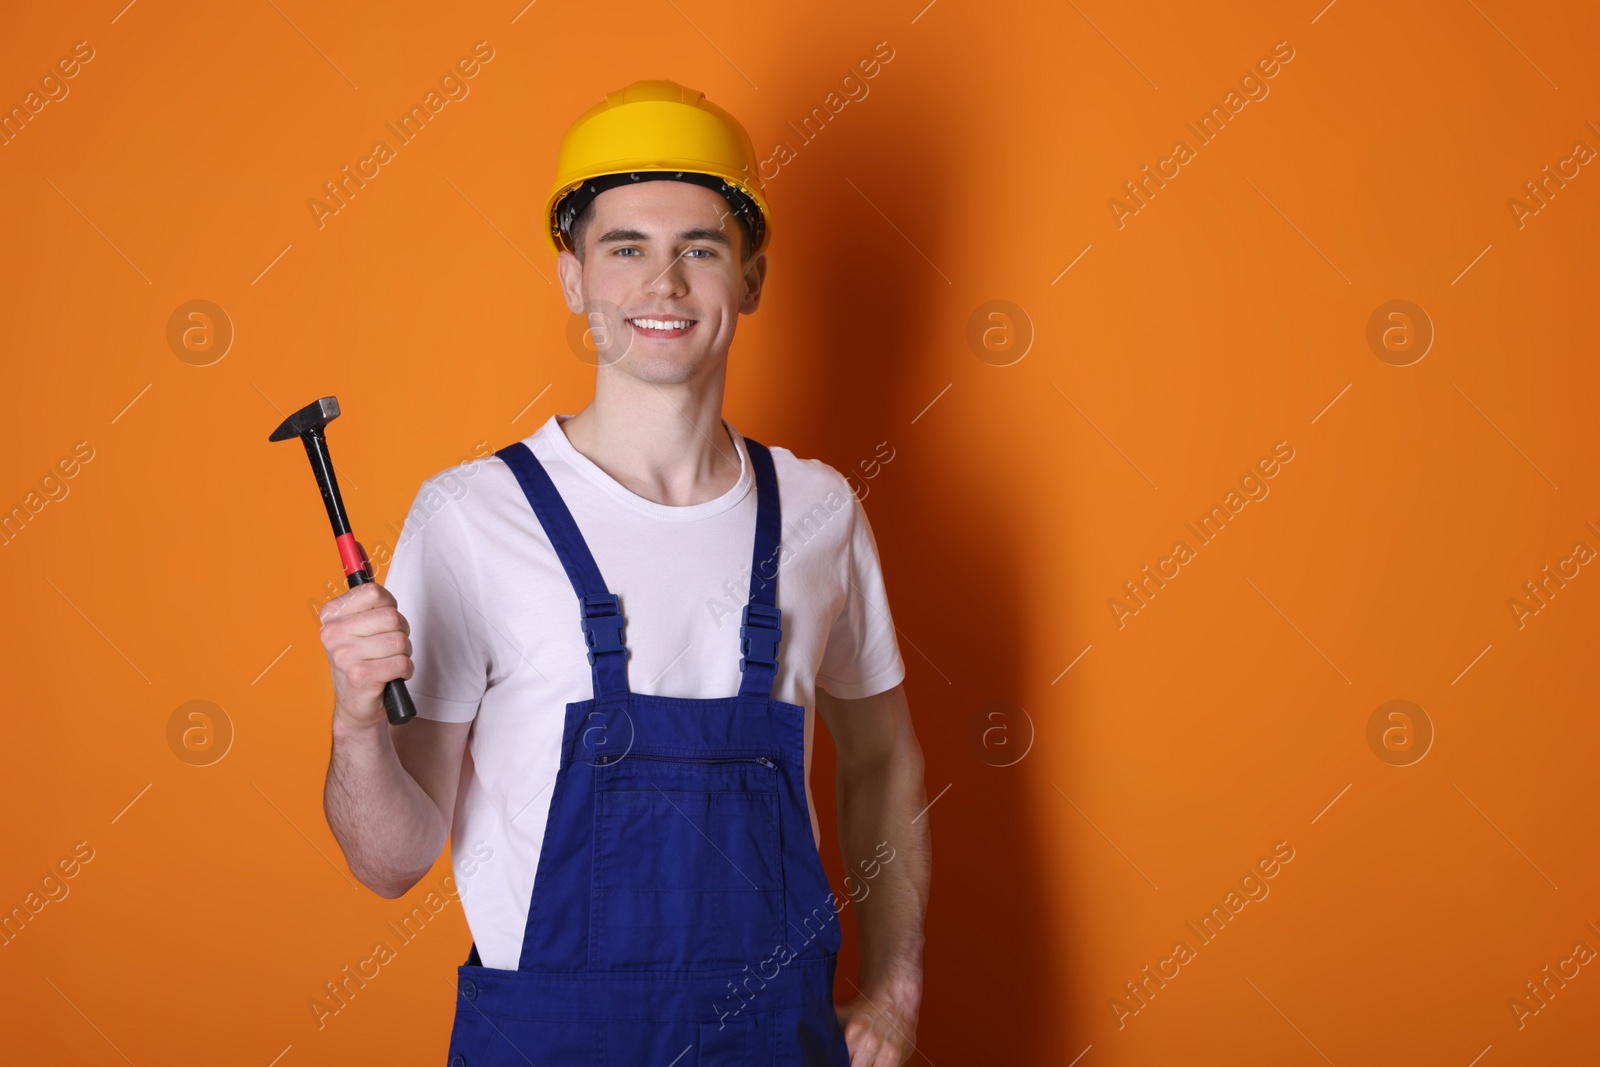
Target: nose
[672,280]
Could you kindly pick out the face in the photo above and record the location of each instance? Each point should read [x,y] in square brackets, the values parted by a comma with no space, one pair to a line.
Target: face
[662,253]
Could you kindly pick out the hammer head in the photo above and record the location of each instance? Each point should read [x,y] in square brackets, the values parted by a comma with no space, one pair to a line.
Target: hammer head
[314,415]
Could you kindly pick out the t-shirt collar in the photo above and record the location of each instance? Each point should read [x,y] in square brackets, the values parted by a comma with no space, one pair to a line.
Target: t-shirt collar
[556,439]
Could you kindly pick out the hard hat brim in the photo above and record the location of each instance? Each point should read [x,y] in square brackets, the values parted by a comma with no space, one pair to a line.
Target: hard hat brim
[572,202]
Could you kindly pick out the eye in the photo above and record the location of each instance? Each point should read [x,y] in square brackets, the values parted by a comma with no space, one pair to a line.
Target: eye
[622,250]
[709,252]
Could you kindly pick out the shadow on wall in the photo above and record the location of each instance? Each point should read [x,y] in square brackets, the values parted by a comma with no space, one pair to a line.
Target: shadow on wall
[881,315]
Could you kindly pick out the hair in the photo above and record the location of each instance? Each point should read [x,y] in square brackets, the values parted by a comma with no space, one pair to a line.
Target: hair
[586,216]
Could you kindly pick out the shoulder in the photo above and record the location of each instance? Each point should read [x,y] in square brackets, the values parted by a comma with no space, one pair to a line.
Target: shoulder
[456,481]
[809,480]
[465,489]
[819,506]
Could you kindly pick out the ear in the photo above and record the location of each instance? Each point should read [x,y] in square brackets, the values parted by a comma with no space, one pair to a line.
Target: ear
[755,276]
[570,271]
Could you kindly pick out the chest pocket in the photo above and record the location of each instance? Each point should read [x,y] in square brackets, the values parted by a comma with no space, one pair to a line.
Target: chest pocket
[688,869]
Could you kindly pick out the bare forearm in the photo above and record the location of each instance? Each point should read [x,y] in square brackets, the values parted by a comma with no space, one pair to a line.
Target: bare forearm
[389,828]
[889,856]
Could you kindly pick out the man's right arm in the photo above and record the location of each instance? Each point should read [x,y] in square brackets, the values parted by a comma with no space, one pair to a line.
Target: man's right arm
[390,793]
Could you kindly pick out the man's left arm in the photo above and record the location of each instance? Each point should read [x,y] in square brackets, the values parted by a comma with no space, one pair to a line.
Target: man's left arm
[883,834]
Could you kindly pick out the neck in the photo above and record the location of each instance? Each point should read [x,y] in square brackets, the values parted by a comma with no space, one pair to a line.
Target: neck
[665,443]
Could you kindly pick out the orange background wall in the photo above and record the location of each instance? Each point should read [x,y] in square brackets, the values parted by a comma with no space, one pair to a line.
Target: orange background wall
[1089,813]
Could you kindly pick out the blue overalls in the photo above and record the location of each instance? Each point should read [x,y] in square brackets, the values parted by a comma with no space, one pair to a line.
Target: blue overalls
[680,914]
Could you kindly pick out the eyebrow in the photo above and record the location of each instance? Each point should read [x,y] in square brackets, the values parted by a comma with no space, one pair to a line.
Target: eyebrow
[702,234]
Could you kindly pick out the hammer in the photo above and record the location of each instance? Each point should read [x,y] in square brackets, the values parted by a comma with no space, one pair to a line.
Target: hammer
[307,424]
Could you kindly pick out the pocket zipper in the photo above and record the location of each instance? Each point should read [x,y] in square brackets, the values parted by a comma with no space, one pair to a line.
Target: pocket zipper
[605,761]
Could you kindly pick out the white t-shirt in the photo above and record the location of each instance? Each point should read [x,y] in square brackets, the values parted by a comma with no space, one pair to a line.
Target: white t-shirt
[496,640]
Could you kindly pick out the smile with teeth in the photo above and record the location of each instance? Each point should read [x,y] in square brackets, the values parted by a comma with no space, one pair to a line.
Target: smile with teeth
[661,325]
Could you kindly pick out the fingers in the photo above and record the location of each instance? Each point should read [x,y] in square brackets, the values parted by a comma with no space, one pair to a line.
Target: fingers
[373,621]
[369,636]
[365,610]
[347,653]
[362,598]
[368,643]
[366,676]
[872,1036]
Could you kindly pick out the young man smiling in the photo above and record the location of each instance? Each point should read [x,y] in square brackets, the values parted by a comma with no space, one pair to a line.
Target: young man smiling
[629,774]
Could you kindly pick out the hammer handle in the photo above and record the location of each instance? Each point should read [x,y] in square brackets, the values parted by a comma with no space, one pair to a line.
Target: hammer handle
[396,699]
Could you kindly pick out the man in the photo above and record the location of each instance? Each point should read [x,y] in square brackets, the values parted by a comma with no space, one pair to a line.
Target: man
[623,775]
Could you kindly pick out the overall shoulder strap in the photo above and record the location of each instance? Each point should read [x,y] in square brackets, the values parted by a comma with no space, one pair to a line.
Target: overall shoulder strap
[760,632]
[600,615]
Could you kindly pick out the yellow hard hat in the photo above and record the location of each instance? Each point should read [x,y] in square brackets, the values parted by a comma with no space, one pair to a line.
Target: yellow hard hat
[654,130]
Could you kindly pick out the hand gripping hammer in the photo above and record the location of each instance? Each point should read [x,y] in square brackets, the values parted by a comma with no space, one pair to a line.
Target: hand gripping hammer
[307,424]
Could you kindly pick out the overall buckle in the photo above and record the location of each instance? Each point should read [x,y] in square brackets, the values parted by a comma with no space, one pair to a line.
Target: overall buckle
[759,634]
[602,624]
